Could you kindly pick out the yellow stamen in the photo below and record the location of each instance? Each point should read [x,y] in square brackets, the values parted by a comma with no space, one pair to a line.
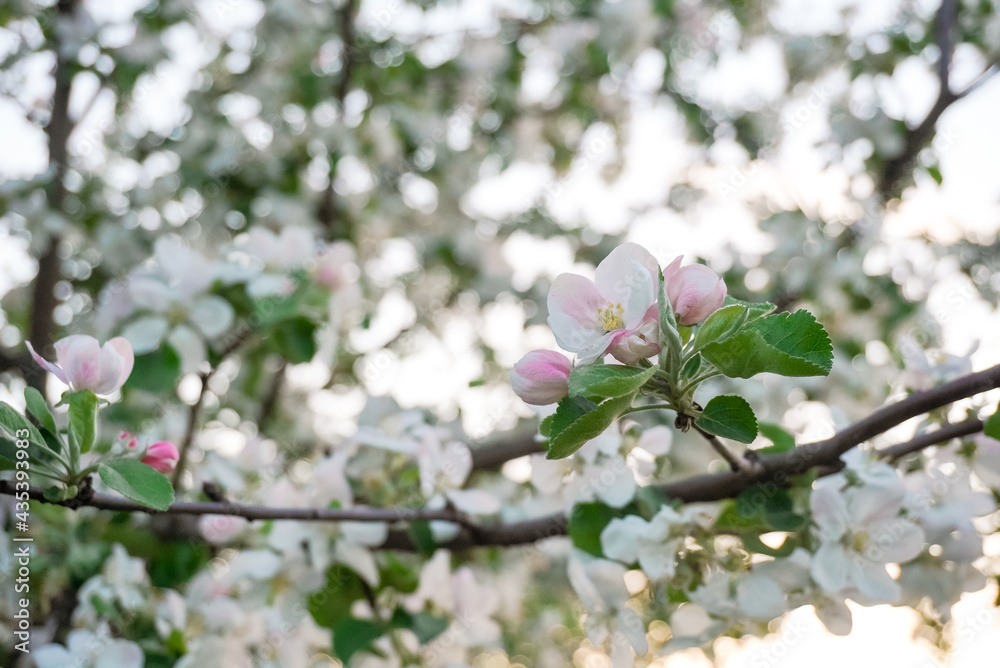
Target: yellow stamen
[611,317]
[859,541]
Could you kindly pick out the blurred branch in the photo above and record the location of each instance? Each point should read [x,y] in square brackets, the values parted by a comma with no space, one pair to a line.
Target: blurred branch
[327,211]
[43,299]
[769,470]
[355,514]
[494,455]
[942,435]
[194,415]
[916,138]
[270,400]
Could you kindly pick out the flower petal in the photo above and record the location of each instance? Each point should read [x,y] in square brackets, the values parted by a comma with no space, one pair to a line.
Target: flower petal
[54,369]
[146,334]
[79,356]
[829,512]
[760,597]
[829,567]
[872,580]
[573,303]
[618,265]
[212,315]
[894,540]
[620,538]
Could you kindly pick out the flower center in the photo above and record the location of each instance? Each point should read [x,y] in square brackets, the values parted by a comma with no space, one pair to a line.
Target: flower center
[859,541]
[610,317]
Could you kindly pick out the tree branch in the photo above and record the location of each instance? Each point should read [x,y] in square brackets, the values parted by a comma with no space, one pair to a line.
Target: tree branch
[356,514]
[769,469]
[494,455]
[58,129]
[327,211]
[916,138]
[194,415]
[942,435]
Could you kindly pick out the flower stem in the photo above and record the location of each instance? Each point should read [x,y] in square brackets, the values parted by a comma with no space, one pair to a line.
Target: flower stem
[649,408]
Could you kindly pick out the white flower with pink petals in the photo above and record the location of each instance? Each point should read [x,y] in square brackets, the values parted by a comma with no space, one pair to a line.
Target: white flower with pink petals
[83,364]
[616,313]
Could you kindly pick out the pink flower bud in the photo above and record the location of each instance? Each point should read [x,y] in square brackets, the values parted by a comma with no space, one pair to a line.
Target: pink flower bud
[84,364]
[162,456]
[695,291]
[541,377]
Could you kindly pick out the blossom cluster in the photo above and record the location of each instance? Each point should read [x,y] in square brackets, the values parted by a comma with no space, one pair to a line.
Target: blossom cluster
[617,314]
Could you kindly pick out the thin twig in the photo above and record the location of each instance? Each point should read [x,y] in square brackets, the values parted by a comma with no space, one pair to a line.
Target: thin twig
[355,514]
[346,15]
[735,463]
[194,415]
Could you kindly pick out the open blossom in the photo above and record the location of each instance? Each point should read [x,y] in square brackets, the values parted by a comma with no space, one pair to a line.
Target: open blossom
[616,313]
[695,291]
[83,364]
[541,377]
[654,544]
[336,266]
[860,530]
[162,456]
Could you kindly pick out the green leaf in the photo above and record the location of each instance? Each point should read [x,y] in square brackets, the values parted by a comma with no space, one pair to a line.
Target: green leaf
[6,464]
[691,367]
[295,339]
[779,512]
[586,523]
[82,418]
[331,605]
[11,422]
[991,427]
[427,627]
[787,344]
[760,508]
[782,440]
[422,537]
[756,309]
[753,543]
[569,410]
[730,417]
[607,380]
[545,426]
[156,371]
[354,635]
[588,426]
[721,325]
[397,575]
[138,482]
[39,409]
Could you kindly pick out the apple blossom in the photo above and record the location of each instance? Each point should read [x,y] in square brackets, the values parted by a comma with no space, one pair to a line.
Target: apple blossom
[695,291]
[86,648]
[162,456]
[600,584]
[860,531]
[336,266]
[654,544]
[541,377]
[615,313]
[84,364]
